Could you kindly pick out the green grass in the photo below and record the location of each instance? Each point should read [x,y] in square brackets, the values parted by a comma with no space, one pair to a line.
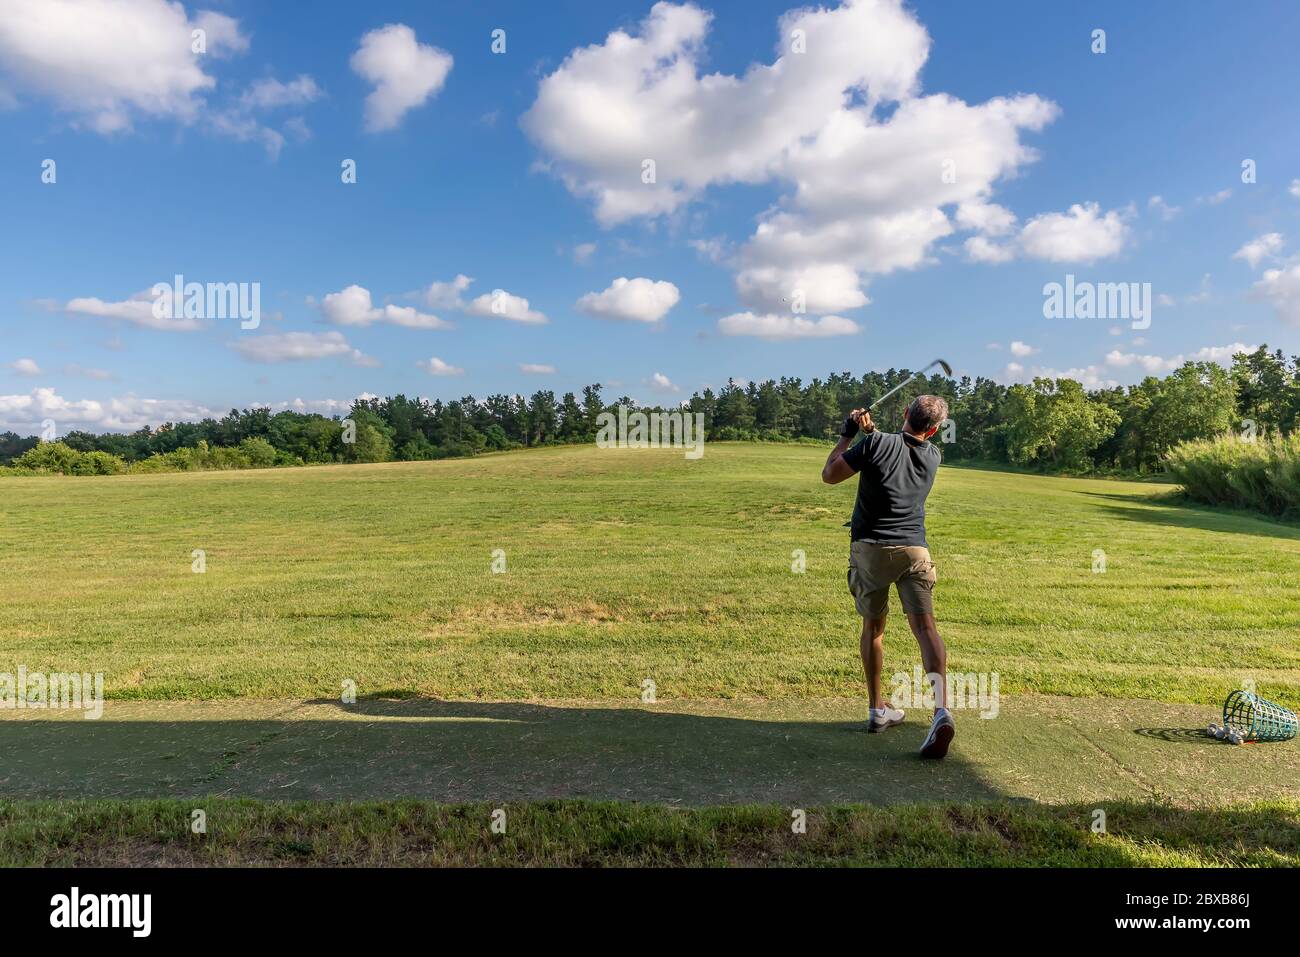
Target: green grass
[575,833]
[523,689]
[623,565]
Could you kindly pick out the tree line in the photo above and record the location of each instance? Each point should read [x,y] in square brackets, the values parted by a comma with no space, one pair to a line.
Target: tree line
[1051,424]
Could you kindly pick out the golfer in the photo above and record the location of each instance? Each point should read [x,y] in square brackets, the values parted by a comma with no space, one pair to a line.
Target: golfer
[895,472]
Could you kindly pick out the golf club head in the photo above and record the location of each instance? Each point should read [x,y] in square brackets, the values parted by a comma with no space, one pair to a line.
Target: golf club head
[947,369]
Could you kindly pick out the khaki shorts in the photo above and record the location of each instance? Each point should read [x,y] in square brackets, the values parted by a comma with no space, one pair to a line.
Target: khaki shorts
[873,568]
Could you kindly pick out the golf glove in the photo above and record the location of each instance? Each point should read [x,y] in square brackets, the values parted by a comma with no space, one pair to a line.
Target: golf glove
[849,428]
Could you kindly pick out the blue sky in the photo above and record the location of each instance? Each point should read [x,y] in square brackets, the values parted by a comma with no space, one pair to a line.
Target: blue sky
[225,167]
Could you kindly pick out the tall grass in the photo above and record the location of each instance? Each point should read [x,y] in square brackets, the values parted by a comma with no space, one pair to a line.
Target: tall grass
[1263,475]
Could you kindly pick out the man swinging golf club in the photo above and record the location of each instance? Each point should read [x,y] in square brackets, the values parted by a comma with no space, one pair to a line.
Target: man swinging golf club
[895,473]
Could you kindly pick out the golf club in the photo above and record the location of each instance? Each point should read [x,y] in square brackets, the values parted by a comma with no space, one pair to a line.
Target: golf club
[947,370]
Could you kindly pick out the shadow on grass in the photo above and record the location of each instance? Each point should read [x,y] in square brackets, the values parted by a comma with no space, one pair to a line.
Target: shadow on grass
[480,751]
[1169,509]
[1176,735]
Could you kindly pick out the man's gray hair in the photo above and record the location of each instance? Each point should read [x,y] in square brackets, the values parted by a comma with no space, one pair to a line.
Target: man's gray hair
[926,412]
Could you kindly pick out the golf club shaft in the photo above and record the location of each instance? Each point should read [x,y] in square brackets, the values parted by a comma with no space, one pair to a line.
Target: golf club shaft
[893,390]
[915,375]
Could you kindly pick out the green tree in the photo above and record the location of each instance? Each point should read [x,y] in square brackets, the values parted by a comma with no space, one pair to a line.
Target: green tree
[1053,422]
[260,453]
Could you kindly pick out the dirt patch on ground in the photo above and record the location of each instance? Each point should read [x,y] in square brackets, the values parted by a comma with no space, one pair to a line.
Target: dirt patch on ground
[473,618]
[484,616]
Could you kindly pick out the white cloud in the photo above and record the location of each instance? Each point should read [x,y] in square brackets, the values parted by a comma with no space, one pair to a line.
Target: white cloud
[1166,212]
[411,318]
[1020,350]
[353,307]
[1281,288]
[1151,365]
[1220,354]
[1090,377]
[661,383]
[987,218]
[241,123]
[298,129]
[326,407]
[714,250]
[1164,299]
[499,304]
[138,310]
[125,413]
[404,73]
[583,252]
[435,366]
[780,327]
[1214,199]
[536,368]
[1081,235]
[866,190]
[269,93]
[130,412]
[980,249]
[106,61]
[26,367]
[297,346]
[635,300]
[85,373]
[1260,248]
[244,128]
[446,295]
[1295,188]
[222,33]
[1162,365]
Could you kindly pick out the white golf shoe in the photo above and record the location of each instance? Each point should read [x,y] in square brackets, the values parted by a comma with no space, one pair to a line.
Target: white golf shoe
[936,742]
[886,717]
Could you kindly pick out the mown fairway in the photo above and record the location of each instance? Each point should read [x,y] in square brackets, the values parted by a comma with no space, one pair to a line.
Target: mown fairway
[621,566]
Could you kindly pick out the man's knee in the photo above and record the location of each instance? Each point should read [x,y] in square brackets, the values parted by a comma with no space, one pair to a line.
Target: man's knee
[873,628]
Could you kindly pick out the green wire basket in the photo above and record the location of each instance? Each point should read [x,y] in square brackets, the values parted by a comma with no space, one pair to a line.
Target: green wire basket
[1256,719]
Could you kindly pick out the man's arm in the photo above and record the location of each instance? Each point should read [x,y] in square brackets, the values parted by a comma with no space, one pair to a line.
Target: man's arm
[836,470]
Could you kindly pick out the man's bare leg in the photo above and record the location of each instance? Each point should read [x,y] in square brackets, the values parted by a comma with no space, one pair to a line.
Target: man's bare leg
[934,655]
[935,658]
[872,647]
